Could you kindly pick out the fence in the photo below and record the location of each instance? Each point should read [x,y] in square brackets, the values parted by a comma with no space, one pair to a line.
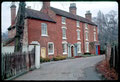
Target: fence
[14,64]
[112,57]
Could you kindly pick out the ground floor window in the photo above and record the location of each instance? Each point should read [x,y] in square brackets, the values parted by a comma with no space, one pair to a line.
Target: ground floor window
[79,47]
[50,48]
[87,46]
[64,47]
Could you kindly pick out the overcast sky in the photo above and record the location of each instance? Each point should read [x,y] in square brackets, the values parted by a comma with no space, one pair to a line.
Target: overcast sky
[82,7]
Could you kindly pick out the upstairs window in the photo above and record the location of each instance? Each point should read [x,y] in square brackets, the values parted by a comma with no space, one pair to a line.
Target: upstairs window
[78,24]
[94,28]
[63,20]
[64,33]
[94,36]
[86,26]
[50,48]
[78,34]
[86,35]
[44,29]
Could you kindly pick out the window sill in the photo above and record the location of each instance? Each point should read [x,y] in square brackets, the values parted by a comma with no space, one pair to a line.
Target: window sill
[78,26]
[63,23]
[50,53]
[79,52]
[65,53]
[44,35]
[87,51]
[64,38]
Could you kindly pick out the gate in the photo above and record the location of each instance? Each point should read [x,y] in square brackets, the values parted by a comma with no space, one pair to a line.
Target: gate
[31,56]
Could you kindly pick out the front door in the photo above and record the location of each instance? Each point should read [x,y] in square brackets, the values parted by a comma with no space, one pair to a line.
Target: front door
[43,52]
[72,51]
[96,50]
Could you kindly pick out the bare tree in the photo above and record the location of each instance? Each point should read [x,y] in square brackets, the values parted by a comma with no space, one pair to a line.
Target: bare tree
[107,27]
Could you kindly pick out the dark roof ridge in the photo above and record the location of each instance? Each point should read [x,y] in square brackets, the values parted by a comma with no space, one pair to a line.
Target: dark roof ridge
[72,16]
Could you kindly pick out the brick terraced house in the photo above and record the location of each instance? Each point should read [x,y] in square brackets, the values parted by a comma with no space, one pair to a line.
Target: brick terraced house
[58,32]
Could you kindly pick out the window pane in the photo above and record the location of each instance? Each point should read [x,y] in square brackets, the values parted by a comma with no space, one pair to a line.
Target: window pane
[94,36]
[86,26]
[64,32]
[63,19]
[77,23]
[63,46]
[50,48]
[44,29]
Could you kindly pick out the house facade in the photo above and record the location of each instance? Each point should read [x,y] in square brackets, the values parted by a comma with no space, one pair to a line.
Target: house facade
[58,32]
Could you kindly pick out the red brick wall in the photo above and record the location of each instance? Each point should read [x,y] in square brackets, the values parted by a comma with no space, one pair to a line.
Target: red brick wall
[34,34]
[55,34]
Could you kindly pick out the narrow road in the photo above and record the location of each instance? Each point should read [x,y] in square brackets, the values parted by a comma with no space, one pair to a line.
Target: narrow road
[69,69]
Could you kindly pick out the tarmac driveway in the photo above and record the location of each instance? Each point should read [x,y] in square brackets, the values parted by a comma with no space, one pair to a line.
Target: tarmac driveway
[69,69]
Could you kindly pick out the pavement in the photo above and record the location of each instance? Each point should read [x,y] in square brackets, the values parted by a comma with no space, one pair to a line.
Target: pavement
[69,69]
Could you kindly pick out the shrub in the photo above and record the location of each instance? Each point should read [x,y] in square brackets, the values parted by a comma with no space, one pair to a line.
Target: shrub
[59,58]
[87,53]
[44,59]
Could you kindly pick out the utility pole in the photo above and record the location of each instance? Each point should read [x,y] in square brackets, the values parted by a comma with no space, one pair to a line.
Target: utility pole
[19,25]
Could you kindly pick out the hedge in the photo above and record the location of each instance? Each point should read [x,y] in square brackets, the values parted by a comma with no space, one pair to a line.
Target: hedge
[44,59]
[59,58]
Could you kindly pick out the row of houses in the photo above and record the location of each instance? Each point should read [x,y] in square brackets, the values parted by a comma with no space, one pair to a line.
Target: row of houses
[58,32]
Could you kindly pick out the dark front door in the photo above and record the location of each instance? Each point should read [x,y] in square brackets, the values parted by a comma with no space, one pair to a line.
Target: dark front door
[72,51]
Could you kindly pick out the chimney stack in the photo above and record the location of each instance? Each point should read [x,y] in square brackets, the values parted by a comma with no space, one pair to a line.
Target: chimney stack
[72,8]
[13,13]
[46,4]
[88,15]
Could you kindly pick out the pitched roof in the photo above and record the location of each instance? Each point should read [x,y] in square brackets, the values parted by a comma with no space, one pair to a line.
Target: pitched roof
[30,13]
[71,16]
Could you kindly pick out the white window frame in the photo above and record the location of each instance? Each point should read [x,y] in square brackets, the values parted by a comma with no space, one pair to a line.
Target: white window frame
[86,35]
[79,44]
[65,32]
[87,46]
[78,23]
[48,48]
[94,28]
[44,28]
[94,36]
[64,18]
[65,43]
[86,26]
[78,37]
